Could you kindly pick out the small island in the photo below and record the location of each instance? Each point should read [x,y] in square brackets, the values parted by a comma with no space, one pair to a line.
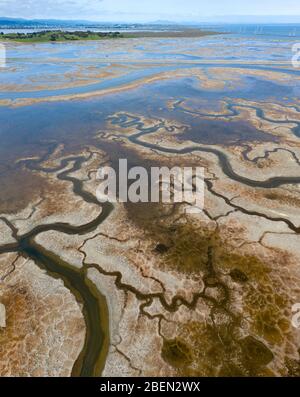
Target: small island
[59,35]
[46,36]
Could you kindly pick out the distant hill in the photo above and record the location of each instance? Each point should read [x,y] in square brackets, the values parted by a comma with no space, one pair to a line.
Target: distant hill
[20,23]
[164,22]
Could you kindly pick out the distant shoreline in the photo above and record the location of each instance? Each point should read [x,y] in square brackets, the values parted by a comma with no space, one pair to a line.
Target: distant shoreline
[46,36]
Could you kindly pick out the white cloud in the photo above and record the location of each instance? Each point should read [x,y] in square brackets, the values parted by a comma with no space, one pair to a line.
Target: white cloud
[142,10]
[48,9]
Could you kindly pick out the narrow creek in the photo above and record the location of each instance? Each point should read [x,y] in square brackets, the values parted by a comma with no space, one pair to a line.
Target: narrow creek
[92,358]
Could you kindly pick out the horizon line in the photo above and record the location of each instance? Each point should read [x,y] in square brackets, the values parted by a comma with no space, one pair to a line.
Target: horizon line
[164,20]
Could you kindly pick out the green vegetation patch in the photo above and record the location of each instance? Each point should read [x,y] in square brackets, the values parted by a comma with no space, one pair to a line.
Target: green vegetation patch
[59,35]
[176,353]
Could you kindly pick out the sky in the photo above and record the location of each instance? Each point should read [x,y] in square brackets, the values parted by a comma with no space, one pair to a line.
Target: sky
[146,10]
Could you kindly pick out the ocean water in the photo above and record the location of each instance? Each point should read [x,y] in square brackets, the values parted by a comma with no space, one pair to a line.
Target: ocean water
[272,31]
[240,29]
[51,69]
[247,65]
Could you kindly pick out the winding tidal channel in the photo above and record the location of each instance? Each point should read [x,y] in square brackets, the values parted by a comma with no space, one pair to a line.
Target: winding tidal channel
[92,358]
[94,305]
